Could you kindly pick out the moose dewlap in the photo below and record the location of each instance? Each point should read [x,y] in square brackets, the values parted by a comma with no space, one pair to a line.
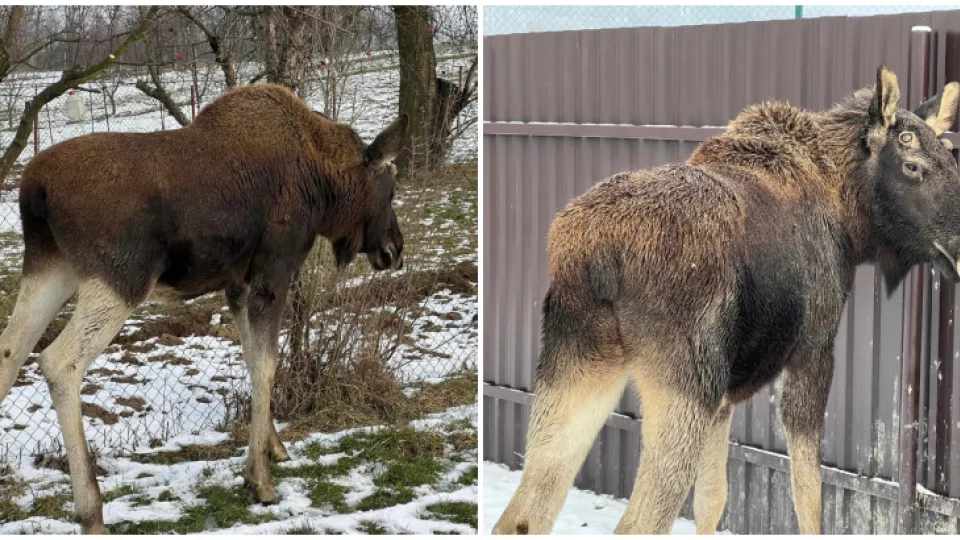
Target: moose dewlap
[703,282]
[233,202]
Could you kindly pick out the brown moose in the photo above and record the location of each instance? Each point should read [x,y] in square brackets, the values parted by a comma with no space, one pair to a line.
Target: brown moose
[232,202]
[702,282]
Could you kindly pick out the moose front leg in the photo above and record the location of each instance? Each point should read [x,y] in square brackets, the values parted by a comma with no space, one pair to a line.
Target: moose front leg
[238,298]
[264,307]
[802,406]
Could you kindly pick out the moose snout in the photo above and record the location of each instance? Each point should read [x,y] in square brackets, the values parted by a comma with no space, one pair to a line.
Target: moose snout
[949,258]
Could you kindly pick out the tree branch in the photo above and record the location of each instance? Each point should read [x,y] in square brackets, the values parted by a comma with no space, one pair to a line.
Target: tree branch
[221,56]
[70,78]
[159,93]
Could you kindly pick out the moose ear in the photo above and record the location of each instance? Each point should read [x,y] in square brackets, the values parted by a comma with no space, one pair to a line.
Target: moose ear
[886,99]
[388,143]
[940,111]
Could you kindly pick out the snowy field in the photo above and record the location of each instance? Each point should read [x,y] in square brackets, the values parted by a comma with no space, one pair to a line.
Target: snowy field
[584,512]
[333,484]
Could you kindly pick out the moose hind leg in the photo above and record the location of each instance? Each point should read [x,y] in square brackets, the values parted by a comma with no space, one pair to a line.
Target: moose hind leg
[674,429]
[237,298]
[99,315]
[564,421]
[710,493]
[42,294]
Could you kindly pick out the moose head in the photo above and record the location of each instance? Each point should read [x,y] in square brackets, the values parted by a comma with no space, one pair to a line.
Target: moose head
[378,234]
[915,199]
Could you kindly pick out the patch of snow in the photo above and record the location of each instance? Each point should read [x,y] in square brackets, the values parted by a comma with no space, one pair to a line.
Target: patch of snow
[584,512]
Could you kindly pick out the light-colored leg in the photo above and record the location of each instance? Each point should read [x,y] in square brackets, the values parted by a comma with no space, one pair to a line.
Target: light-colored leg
[41,296]
[674,428]
[566,415]
[710,493]
[264,306]
[99,316]
[806,480]
[803,403]
[238,308]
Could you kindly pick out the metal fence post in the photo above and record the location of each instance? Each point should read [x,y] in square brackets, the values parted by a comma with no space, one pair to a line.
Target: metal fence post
[93,124]
[36,131]
[913,334]
[193,102]
[106,111]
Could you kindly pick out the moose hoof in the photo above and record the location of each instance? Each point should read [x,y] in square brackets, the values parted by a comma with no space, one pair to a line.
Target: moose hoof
[279,454]
[96,528]
[264,493]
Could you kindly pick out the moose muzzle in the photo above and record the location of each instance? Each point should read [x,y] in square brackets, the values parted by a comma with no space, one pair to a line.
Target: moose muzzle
[949,259]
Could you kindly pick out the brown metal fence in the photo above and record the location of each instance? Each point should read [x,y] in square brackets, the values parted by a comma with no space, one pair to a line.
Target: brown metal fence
[563,110]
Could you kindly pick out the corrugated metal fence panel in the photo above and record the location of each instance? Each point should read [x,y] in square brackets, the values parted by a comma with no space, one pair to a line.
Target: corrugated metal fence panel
[699,76]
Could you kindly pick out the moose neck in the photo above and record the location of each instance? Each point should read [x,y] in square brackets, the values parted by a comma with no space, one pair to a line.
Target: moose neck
[338,200]
[842,128]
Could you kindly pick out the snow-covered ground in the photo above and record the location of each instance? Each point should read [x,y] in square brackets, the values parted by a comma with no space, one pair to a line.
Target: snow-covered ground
[157,494]
[584,512]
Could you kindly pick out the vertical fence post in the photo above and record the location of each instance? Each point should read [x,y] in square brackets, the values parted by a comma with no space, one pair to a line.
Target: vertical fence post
[36,131]
[93,124]
[106,111]
[913,333]
[193,102]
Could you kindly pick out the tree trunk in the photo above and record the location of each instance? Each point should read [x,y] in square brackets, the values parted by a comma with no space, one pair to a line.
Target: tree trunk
[418,86]
[70,78]
[286,51]
[452,99]
[431,102]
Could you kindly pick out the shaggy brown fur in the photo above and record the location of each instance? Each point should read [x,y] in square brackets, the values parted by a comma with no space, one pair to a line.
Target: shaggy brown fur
[703,282]
[233,201]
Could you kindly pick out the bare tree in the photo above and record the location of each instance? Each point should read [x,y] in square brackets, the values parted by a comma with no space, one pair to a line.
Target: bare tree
[431,102]
[215,32]
[12,54]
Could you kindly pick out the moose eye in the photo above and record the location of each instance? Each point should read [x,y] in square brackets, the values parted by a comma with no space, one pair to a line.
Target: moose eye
[912,167]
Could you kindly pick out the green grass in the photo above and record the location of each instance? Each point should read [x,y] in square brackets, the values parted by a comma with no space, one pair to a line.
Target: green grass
[11,511]
[141,500]
[371,527]
[469,477]
[384,498]
[317,470]
[167,496]
[317,449]
[226,506]
[121,491]
[327,494]
[230,506]
[393,444]
[457,512]
[411,472]
[51,506]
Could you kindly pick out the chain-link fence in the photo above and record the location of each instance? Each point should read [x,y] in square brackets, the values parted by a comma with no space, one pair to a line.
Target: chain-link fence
[518,19]
[177,369]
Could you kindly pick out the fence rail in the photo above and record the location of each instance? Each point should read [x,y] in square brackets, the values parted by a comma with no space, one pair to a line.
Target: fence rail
[563,110]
